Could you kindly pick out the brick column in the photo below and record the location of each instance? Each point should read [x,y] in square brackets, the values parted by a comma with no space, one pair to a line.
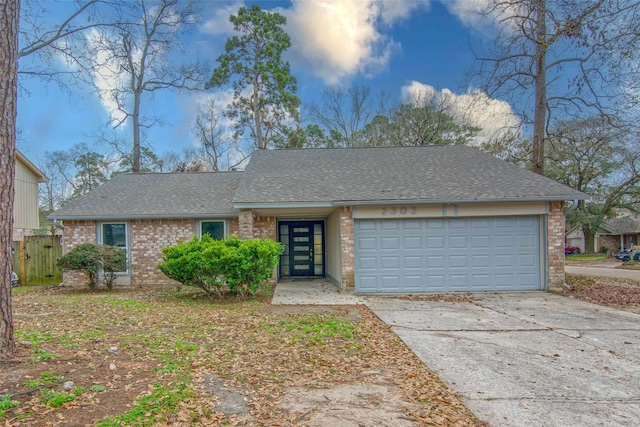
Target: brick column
[346,248]
[245,224]
[555,245]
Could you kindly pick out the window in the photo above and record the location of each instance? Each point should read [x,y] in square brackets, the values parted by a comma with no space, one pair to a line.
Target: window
[115,234]
[215,229]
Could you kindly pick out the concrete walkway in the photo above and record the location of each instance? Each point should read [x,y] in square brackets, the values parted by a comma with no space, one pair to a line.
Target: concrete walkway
[312,292]
[609,271]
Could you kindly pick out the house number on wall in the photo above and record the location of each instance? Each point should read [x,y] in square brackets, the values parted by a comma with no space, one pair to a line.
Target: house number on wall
[402,211]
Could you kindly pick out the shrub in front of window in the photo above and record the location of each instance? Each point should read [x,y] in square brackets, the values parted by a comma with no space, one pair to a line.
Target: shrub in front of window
[240,266]
[90,259]
[112,261]
[195,263]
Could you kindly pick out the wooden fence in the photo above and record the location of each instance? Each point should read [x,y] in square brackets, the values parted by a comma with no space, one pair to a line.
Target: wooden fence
[34,260]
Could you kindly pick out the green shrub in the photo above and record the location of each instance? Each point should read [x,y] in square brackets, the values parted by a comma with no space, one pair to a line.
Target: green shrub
[248,263]
[113,260]
[195,263]
[240,265]
[91,259]
[604,250]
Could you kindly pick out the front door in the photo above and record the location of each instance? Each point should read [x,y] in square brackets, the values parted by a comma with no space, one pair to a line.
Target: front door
[304,248]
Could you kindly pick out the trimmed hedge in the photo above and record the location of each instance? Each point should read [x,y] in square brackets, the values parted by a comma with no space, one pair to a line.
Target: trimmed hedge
[237,265]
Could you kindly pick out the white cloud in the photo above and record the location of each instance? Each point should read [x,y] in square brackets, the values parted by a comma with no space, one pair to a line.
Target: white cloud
[494,117]
[219,23]
[107,79]
[337,39]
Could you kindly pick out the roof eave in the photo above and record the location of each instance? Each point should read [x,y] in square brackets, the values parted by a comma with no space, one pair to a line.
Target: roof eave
[282,205]
[451,201]
[133,217]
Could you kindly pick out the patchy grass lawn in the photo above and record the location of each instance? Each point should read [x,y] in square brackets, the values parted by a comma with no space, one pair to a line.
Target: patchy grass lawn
[153,356]
[577,259]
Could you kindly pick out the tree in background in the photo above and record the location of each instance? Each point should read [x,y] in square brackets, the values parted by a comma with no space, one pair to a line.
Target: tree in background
[410,124]
[338,121]
[599,159]
[43,43]
[218,150]
[264,91]
[139,59]
[9,12]
[557,59]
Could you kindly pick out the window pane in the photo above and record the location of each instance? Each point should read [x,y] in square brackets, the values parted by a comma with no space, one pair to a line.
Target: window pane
[214,229]
[114,235]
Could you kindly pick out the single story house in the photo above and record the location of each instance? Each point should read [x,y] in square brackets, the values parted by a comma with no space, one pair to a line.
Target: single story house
[373,220]
[620,233]
[26,216]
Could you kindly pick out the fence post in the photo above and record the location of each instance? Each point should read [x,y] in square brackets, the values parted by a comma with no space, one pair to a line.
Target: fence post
[23,268]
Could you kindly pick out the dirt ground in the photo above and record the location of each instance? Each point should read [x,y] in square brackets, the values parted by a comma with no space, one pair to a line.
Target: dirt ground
[157,357]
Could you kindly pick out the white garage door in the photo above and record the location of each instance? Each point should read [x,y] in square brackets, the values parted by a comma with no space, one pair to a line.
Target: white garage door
[447,255]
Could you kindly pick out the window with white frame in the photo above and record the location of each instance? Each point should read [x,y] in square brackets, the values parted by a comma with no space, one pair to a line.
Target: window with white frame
[215,229]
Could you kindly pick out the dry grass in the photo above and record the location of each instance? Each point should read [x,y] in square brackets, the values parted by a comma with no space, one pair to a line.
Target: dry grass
[150,357]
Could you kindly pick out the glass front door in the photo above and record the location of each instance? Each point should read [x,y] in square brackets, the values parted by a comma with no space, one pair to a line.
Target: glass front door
[304,248]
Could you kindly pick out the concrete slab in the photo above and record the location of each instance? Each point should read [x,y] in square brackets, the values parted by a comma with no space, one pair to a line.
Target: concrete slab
[526,359]
[312,292]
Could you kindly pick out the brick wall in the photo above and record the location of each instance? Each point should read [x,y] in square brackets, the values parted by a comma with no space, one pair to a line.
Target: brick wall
[264,227]
[233,225]
[245,224]
[20,233]
[148,237]
[346,247]
[612,243]
[75,233]
[555,245]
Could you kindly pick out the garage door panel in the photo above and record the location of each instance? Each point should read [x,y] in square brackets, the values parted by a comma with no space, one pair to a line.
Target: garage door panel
[366,243]
[390,263]
[412,262]
[458,242]
[434,242]
[440,255]
[412,243]
[389,243]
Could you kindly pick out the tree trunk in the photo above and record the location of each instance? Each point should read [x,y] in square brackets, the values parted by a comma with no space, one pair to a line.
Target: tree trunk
[540,84]
[256,115]
[589,241]
[135,122]
[9,12]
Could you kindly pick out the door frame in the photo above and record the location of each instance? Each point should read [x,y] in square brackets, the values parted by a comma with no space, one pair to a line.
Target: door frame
[288,268]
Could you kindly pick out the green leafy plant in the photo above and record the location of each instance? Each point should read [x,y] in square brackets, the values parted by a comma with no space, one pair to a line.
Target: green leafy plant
[6,403]
[250,263]
[112,260]
[98,388]
[91,259]
[46,378]
[56,399]
[41,354]
[240,265]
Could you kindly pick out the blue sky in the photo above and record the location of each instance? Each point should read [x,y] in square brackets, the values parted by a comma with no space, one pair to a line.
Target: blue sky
[394,46]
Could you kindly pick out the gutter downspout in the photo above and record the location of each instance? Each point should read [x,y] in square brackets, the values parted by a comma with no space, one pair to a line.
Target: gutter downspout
[572,207]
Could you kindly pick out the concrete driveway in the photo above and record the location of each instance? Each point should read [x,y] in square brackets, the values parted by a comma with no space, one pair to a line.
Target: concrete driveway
[527,359]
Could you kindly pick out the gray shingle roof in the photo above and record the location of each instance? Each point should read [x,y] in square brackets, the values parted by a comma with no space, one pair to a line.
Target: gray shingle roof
[428,174]
[623,225]
[157,195]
